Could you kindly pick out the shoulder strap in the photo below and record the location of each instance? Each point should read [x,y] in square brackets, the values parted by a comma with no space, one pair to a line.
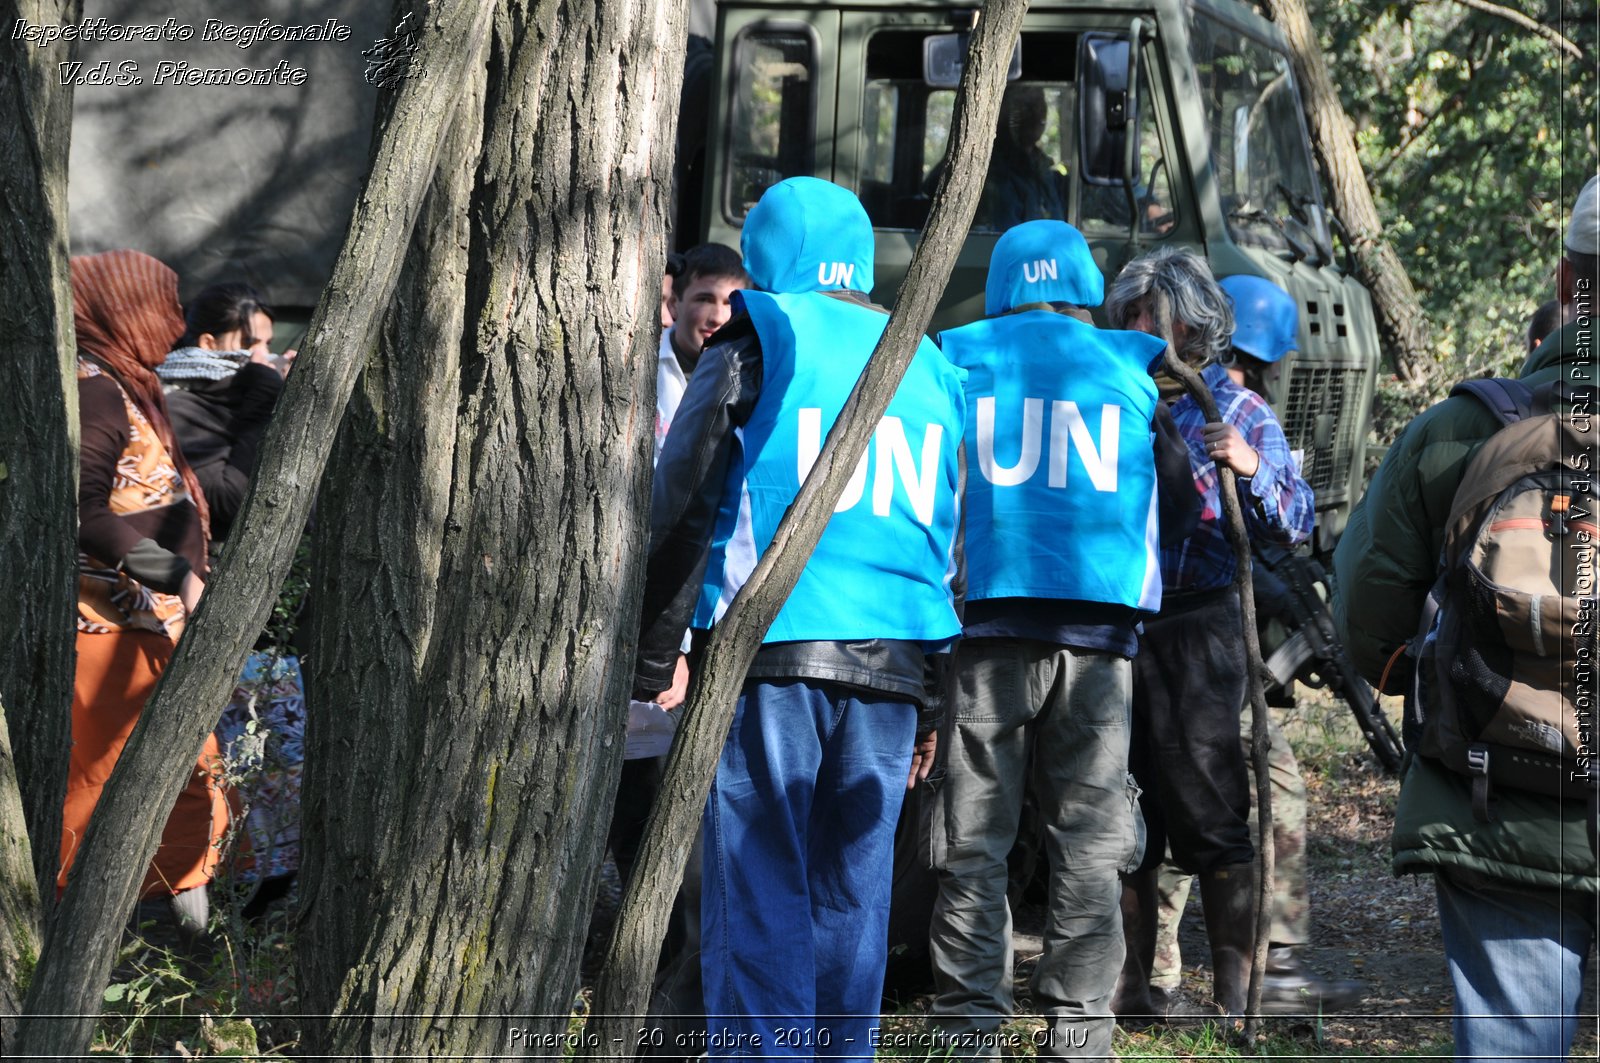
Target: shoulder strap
[1562,394]
[1509,400]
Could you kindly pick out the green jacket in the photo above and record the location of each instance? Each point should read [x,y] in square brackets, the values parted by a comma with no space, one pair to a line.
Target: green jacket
[1532,841]
[1386,563]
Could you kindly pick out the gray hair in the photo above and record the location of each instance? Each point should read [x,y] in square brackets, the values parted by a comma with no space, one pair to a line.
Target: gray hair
[1192,294]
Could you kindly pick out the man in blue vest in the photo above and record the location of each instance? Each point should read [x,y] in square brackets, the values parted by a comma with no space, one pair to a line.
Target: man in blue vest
[1061,540]
[826,737]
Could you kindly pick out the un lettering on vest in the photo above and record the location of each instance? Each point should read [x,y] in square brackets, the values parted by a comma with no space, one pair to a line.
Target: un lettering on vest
[1068,432]
[893,460]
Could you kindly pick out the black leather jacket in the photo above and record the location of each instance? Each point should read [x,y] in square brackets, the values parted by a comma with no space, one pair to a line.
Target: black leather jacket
[689,481]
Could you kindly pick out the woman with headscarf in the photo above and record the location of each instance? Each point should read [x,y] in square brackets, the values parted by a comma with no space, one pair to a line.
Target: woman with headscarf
[142,529]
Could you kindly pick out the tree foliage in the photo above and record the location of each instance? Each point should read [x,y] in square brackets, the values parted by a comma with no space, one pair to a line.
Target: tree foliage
[1476,134]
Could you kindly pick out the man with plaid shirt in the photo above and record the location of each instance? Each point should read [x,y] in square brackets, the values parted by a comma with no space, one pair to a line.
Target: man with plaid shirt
[1190,674]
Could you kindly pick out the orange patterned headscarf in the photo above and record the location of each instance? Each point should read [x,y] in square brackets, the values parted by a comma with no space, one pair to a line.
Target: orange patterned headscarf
[125,309]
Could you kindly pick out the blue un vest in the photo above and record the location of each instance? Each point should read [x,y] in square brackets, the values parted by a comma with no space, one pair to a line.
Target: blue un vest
[882,567]
[1060,472]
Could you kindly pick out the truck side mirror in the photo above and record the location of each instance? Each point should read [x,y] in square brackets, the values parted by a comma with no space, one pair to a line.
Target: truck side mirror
[944,55]
[1107,109]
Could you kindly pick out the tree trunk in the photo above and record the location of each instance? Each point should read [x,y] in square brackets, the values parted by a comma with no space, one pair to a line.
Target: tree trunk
[81,939]
[481,554]
[38,487]
[19,895]
[1402,324]
[376,546]
[621,994]
[38,437]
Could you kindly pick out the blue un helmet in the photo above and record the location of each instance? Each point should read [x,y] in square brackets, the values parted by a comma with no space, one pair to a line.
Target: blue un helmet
[1041,261]
[1265,320]
[808,235]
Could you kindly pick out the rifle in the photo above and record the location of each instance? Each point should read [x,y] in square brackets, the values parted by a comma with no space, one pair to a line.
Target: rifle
[1291,589]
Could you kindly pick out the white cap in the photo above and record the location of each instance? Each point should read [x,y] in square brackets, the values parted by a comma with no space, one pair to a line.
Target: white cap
[1583,234]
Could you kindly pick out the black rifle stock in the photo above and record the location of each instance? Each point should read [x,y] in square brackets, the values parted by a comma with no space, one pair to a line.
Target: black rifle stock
[1313,652]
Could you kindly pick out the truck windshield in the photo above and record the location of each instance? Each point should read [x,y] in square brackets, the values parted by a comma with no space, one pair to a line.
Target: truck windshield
[905,133]
[1258,144]
[905,129]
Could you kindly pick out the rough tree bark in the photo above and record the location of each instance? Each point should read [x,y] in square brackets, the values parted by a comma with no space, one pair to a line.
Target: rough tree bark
[38,485]
[376,546]
[20,916]
[38,425]
[1402,324]
[623,988]
[481,550]
[80,941]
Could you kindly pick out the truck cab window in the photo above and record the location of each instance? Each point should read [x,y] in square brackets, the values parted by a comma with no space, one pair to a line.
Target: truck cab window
[771,122]
[1258,145]
[905,133]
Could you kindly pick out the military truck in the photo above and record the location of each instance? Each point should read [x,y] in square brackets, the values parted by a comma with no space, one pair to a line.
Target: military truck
[1151,121]
[1141,122]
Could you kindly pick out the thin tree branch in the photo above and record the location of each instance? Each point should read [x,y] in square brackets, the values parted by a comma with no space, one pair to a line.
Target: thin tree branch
[1260,735]
[1517,18]
[1451,105]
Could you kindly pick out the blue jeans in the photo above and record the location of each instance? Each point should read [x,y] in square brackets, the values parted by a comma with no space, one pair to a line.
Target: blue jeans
[799,845]
[1517,957]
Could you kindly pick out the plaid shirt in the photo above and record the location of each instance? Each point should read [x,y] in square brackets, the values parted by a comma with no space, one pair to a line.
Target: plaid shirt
[1278,505]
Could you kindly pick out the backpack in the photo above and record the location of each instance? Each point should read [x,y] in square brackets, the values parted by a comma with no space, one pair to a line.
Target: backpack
[1504,682]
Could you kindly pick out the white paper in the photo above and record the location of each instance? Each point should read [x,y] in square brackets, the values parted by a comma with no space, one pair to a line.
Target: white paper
[650,730]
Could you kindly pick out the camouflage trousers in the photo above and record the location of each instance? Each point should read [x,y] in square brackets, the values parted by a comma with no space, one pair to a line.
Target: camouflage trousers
[1291,898]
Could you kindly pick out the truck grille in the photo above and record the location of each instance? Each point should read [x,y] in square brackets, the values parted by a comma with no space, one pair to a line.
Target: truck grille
[1321,419]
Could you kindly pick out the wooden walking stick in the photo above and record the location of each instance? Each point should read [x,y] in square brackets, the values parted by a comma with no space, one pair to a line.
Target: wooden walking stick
[1260,740]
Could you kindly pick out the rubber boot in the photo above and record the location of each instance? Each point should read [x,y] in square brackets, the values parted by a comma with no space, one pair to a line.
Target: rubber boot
[1131,1002]
[1228,899]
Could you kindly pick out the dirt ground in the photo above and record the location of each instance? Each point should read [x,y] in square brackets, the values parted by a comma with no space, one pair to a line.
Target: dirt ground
[1367,924]
[1382,929]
